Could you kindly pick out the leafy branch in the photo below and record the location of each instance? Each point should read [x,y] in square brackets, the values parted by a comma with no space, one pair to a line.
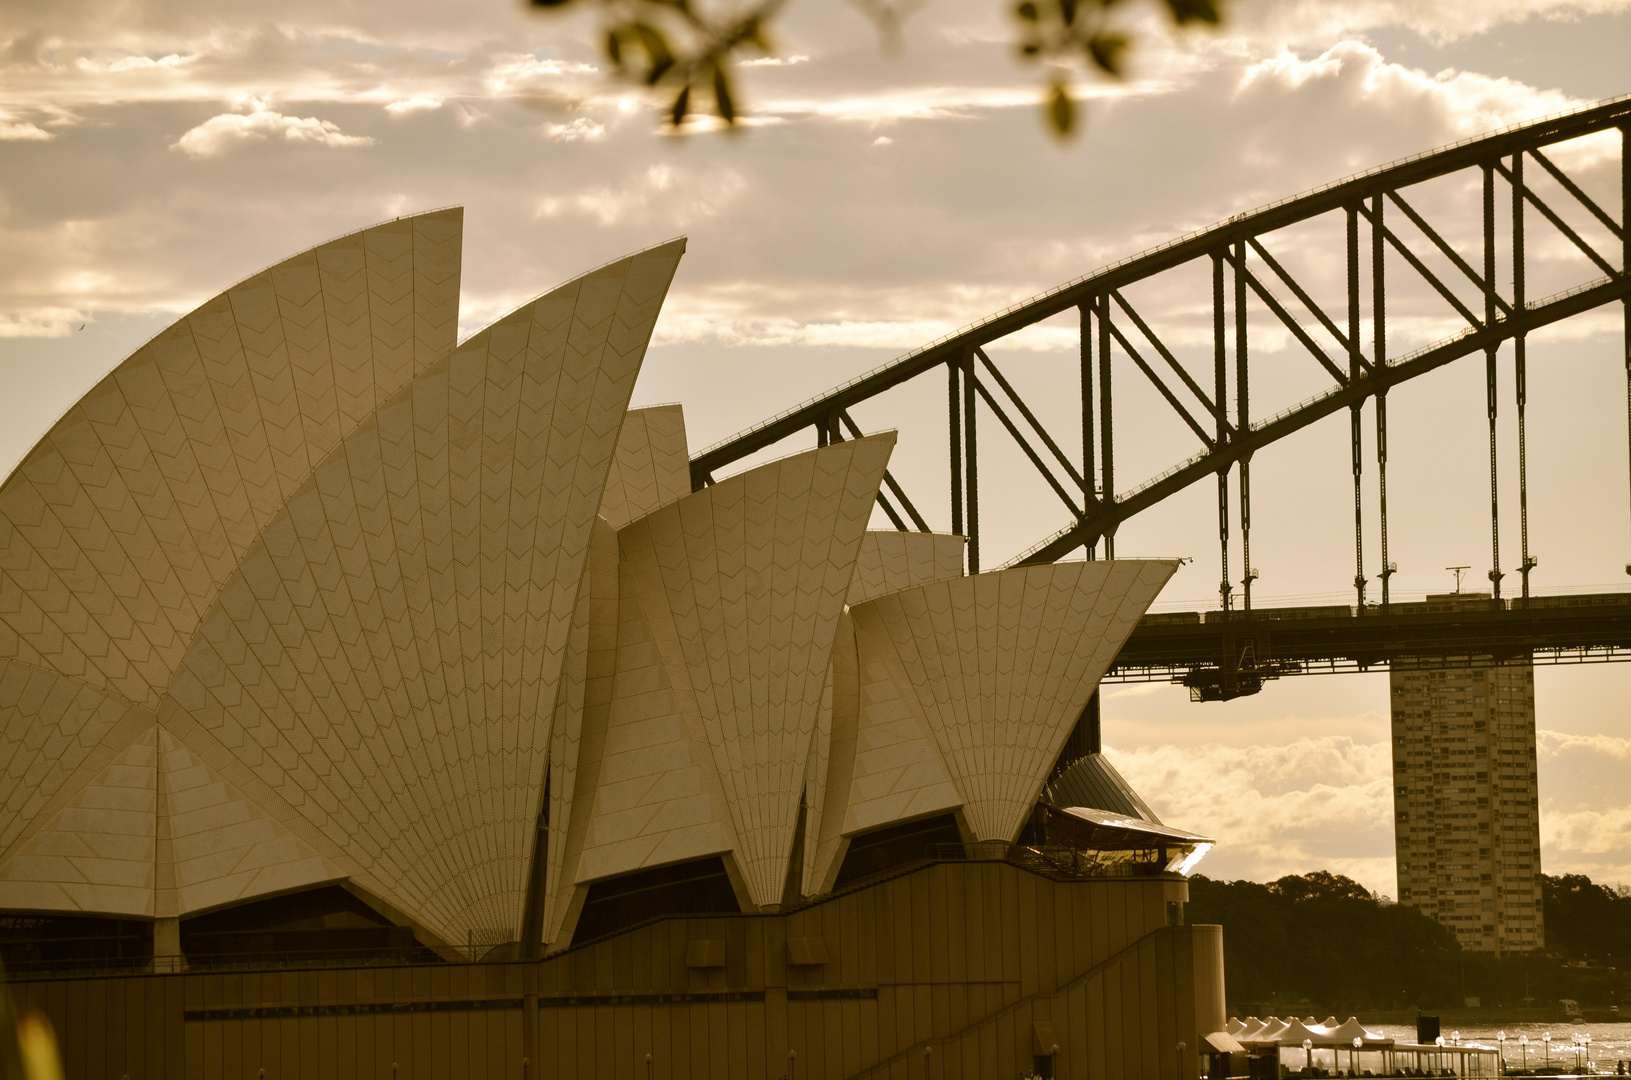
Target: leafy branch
[673,47]
[1067,33]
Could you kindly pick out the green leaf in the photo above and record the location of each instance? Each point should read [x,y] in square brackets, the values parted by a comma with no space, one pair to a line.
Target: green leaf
[1067,11]
[1027,11]
[614,48]
[1061,110]
[682,107]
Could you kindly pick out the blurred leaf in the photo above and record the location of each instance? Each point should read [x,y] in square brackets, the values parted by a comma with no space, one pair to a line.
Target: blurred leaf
[1188,11]
[1107,51]
[1061,110]
[677,45]
[722,96]
[656,46]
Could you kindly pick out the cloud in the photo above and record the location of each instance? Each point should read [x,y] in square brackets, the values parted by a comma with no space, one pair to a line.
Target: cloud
[13,131]
[1302,22]
[1589,832]
[42,322]
[1552,744]
[1276,809]
[415,104]
[1326,802]
[221,133]
[579,130]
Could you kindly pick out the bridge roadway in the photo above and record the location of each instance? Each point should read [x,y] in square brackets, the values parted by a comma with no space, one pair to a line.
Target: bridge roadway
[1221,655]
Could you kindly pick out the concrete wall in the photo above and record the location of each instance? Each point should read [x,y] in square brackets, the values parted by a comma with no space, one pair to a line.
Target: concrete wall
[975,961]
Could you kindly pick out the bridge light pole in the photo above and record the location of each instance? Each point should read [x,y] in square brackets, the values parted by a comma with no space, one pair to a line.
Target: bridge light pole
[1388,570]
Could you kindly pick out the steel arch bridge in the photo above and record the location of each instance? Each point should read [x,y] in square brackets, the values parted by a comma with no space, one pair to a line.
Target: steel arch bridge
[1531,197]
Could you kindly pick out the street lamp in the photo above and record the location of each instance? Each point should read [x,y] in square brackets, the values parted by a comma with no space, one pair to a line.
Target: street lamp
[1353,1059]
[1588,1049]
[1500,1038]
[1547,1039]
[1523,1041]
[1308,1057]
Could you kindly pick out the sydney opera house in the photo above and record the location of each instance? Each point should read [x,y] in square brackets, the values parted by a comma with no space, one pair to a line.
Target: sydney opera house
[375,704]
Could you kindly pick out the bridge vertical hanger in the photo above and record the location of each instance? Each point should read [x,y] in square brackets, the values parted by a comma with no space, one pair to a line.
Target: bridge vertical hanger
[1625,264]
[971,472]
[1356,436]
[954,425]
[1242,424]
[1520,363]
[1084,343]
[1220,392]
[1378,255]
[1495,574]
[1107,459]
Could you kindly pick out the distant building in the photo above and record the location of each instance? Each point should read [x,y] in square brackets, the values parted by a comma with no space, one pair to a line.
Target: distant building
[1466,807]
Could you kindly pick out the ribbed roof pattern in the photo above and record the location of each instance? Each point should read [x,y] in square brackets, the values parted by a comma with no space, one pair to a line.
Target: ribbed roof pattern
[999,666]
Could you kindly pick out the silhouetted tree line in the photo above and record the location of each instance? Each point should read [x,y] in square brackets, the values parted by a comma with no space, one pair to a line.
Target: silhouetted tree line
[1587,921]
[1326,942]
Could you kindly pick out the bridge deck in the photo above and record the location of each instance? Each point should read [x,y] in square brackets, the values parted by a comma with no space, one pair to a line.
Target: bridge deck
[1221,655]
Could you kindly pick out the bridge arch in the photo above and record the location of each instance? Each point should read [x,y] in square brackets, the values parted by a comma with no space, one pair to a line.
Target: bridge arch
[1526,191]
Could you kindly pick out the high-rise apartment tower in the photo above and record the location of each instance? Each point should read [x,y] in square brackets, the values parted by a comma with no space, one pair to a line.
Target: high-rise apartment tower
[1466,805]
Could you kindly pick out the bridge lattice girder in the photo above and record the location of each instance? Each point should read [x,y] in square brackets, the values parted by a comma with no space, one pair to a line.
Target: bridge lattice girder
[1380,253]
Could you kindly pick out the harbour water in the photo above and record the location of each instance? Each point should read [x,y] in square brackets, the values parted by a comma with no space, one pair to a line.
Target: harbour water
[1609,1042]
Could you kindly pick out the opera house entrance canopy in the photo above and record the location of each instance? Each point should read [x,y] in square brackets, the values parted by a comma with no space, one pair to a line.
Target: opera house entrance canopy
[307,595]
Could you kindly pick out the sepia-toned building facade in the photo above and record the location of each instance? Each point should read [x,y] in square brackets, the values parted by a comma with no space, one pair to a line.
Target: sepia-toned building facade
[1466,801]
[335,649]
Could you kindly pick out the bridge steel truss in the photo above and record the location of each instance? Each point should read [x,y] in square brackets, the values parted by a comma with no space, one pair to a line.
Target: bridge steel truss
[1241,263]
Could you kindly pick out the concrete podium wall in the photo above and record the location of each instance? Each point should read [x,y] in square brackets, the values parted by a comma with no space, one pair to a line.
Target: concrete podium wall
[974,960]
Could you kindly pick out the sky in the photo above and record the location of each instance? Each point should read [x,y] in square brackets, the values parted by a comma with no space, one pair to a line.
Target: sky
[154,151]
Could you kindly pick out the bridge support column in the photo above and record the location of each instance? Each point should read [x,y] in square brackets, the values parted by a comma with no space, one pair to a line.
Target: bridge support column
[1378,255]
[954,425]
[1355,431]
[1242,424]
[1220,384]
[1085,347]
[1107,460]
[1520,372]
[1625,263]
[971,477]
[1495,574]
